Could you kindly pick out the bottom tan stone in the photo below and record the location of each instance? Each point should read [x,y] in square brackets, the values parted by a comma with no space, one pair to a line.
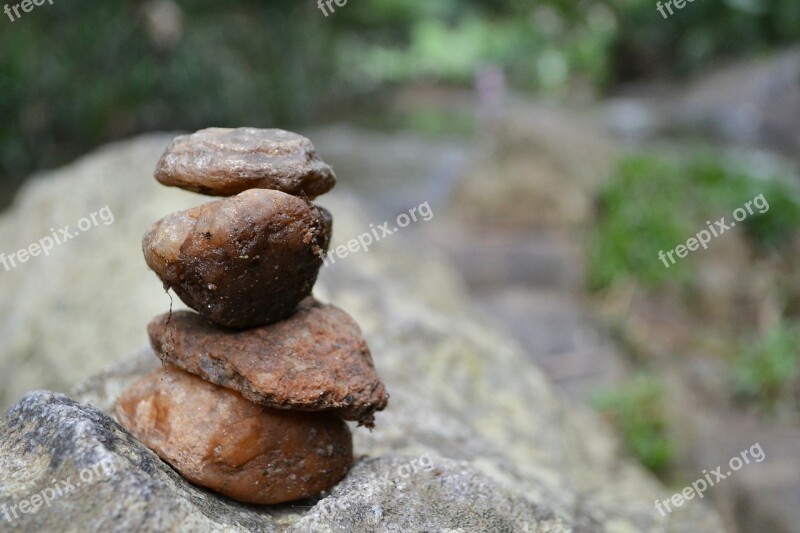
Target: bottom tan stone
[219,440]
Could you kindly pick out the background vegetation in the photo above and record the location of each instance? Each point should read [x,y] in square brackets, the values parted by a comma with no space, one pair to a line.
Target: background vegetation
[654,202]
[79,73]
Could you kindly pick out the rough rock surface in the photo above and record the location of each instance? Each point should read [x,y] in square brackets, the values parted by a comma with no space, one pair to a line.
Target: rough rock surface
[243,261]
[221,441]
[509,453]
[316,359]
[48,439]
[224,162]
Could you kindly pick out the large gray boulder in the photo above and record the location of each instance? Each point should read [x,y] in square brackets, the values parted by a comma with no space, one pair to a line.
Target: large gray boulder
[474,439]
[66,315]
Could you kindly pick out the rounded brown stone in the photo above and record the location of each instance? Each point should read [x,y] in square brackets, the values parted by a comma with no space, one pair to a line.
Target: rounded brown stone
[219,440]
[242,261]
[224,162]
[316,359]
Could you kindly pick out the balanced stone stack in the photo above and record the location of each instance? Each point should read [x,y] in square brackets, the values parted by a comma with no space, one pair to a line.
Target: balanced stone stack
[257,382]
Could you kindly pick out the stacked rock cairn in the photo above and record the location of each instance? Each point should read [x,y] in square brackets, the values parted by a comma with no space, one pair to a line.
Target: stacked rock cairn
[256,385]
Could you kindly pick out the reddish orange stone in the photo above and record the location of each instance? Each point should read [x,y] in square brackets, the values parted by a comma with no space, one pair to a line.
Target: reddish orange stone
[217,439]
[317,359]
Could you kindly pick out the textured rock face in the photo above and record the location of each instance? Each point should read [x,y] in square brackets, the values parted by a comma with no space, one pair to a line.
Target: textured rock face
[243,261]
[317,359]
[508,453]
[48,439]
[219,440]
[224,162]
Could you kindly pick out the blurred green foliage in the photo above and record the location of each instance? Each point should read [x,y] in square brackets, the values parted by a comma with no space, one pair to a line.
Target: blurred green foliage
[640,212]
[541,48]
[78,73]
[702,31]
[767,371]
[653,203]
[636,409]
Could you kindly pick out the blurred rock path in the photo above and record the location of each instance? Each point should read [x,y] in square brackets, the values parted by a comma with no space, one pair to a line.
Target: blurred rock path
[509,209]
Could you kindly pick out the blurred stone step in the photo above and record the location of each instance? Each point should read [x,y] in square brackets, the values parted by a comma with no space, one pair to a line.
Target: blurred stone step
[559,336]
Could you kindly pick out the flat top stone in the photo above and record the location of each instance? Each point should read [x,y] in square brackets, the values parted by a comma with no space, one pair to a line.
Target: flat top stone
[317,359]
[225,161]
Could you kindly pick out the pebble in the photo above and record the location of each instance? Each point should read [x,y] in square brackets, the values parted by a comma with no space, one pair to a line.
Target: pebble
[220,258]
[217,439]
[225,161]
[316,359]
